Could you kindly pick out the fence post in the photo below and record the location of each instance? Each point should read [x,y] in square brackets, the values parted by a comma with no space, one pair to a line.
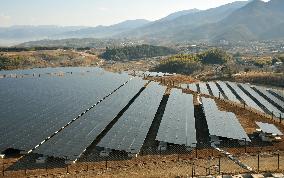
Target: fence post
[3,169]
[278,160]
[258,162]
[219,166]
[192,171]
[106,163]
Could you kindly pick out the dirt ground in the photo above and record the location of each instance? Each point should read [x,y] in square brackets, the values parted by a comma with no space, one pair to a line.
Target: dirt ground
[161,166]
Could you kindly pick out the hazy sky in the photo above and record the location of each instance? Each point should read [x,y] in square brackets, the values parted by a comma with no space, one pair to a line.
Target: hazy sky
[92,12]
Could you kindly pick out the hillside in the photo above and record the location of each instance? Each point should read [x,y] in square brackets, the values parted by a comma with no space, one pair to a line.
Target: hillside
[46,58]
[189,64]
[238,21]
[19,34]
[136,52]
[179,14]
[104,31]
[169,28]
[77,43]
[257,20]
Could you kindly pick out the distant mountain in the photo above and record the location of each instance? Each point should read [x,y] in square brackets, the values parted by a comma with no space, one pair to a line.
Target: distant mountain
[168,28]
[16,34]
[19,34]
[257,20]
[179,14]
[105,31]
[237,21]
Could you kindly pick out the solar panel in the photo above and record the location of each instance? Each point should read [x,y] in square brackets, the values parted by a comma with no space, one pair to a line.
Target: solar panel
[44,71]
[178,122]
[129,133]
[203,88]
[271,97]
[222,124]
[279,94]
[215,90]
[244,97]
[263,101]
[154,74]
[269,128]
[228,92]
[191,86]
[79,135]
[34,108]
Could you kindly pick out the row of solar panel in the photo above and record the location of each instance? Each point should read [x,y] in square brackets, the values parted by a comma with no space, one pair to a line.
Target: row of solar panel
[129,133]
[222,124]
[73,140]
[44,105]
[35,108]
[259,98]
[178,122]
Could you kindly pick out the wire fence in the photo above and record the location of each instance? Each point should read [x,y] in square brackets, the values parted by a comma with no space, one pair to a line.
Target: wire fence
[173,162]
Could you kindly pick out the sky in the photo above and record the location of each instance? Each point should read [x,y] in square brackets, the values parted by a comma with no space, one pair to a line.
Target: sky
[93,12]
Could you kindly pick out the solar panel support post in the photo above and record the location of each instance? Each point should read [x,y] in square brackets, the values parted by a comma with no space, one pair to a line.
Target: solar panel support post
[219,95]
[106,163]
[272,115]
[67,168]
[280,118]
[45,166]
[245,139]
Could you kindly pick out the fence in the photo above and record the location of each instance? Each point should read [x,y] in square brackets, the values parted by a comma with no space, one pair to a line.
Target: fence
[172,163]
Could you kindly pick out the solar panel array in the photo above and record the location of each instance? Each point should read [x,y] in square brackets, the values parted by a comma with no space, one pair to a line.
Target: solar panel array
[215,90]
[32,109]
[234,93]
[191,86]
[156,74]
[263,101]
[279,93]
[74,139]
[244,97]
[129,133]
[203,88]
[44,71]
[269,128]
[178,122]
[276,100]
[222,124]
[230,95]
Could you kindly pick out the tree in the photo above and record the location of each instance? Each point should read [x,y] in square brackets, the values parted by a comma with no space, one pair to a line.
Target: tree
[136,52]
[214,56]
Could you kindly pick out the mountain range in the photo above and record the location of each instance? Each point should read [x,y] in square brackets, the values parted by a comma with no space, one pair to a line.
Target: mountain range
[237,21]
